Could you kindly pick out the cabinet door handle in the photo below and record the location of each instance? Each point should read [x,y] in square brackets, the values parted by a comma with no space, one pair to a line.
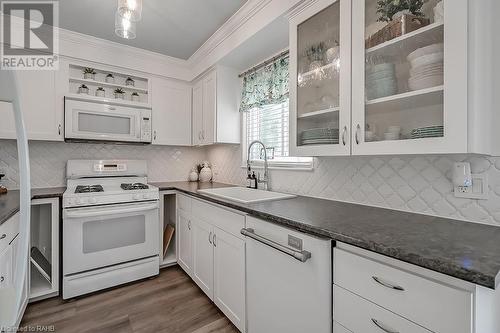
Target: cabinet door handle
[387,284]
[199,135]
[213,240]
[2,279]
[59,129]
[203,134]
[344,132]
[189,225]
[154,135]
[382,327]
[358,129]
[210,238]
[3,236]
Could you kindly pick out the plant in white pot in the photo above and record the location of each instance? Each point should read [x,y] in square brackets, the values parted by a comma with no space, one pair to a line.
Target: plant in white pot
[100,92]
[83,89]
[119,93]
[129,82]
[136,97]
[89,73]
[110,78]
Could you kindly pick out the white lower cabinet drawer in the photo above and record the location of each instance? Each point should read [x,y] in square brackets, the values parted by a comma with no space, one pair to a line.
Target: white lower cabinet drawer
[436,306]
[219,217]
[361,316]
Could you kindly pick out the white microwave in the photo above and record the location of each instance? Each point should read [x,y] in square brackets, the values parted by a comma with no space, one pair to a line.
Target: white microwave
[96,121]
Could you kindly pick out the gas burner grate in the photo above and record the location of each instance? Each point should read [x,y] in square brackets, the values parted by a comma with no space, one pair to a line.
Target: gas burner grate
[88,188]
[134,186]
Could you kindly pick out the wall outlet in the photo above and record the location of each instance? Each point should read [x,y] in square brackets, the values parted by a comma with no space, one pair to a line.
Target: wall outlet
[478,189]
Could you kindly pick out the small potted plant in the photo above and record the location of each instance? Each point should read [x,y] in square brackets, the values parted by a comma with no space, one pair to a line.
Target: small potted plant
[100,92]
[136,97]
[130,82]
[89,73]
[110,78]
[402,17]
[119,93]
[83,89]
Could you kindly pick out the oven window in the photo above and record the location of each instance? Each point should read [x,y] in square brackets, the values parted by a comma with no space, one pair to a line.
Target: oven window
[98,123]
[101,235]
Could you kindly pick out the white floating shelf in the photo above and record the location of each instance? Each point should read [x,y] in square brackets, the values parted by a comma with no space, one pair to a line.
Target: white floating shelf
[105,84]
[407,43]
[115,101]
[318,113]
[407,100]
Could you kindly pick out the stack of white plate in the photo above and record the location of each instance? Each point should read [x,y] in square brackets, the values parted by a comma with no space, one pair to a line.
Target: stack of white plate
[381,81]
[317,136]
[426,67]
[427,132]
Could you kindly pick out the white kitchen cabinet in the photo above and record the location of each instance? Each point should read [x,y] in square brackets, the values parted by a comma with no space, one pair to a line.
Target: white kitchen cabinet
[216,117]
[405,298]
[10,283]
[171,113]
[380,98]
[229,276]
[217,253]
[320,82]
[203,256]
[42,117]
[184,241]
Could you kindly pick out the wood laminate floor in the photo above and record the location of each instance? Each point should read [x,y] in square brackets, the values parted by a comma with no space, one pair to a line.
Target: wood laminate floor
[169,303]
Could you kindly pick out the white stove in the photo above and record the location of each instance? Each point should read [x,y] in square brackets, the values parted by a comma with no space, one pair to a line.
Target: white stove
[92,183]
[110,225]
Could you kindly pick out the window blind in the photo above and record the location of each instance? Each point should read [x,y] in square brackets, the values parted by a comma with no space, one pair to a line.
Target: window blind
[270,124]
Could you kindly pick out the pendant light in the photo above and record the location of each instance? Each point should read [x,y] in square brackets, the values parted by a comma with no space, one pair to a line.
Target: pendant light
[130,9]
[124,27]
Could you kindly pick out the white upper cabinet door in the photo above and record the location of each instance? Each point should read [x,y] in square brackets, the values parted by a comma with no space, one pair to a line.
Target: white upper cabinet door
[37,93]
[409,90]
[197,113]
[209,108]
[184,242]
[229,276]
[320,79]
[171,113]
[203,256]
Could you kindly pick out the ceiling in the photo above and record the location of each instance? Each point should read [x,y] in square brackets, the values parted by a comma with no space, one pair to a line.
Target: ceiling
[175,28]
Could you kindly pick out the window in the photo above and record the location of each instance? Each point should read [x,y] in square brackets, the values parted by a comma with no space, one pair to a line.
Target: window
[270,124]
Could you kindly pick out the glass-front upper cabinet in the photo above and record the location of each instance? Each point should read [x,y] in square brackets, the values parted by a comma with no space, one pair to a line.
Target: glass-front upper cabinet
[320,61]
[409,75]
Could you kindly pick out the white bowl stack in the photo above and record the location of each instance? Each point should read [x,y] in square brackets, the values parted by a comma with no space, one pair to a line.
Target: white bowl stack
[381,81]
[427,67]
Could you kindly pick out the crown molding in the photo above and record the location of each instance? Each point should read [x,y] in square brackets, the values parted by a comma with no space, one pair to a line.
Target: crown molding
[244,14]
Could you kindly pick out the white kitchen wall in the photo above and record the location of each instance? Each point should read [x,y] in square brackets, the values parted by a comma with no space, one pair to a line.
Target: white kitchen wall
[48,160]
[411,183]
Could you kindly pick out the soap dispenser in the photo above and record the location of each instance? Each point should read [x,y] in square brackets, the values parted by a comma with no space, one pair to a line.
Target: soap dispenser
[3,189]
[254,180]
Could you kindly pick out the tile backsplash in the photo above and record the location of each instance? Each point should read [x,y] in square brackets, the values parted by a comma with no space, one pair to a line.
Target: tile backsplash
[420,184]
[48,160]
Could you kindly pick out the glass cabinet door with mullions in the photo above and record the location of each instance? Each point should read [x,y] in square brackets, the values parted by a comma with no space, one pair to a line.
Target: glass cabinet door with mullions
[409,76]
[319,79]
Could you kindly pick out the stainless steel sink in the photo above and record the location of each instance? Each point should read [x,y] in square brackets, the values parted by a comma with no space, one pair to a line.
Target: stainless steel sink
[245,195]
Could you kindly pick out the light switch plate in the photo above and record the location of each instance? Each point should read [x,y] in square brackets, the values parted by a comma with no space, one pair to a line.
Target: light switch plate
[478,190]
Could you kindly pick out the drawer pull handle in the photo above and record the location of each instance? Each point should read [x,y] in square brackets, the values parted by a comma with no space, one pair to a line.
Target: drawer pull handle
[386,284]
[2,279]
[3,236]
[210,238]
[382,327]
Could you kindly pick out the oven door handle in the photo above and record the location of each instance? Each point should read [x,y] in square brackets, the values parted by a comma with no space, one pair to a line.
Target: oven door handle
[90,212]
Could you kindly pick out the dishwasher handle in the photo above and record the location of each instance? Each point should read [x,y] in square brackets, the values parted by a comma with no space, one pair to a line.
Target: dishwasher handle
[302,256]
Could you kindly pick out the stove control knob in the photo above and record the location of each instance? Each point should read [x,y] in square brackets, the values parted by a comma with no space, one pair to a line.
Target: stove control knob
[70,202]
[79,201]
[146,196]
[92,200]
[136,196]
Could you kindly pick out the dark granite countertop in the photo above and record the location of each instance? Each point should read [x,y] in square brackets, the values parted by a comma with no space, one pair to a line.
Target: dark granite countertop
[468,251]
[9,202]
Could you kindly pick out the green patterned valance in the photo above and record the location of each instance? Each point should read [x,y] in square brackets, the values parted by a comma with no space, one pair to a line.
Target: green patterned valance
[268,85]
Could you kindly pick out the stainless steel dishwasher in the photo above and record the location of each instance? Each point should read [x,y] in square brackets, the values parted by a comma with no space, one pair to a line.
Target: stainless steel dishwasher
[288,280]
